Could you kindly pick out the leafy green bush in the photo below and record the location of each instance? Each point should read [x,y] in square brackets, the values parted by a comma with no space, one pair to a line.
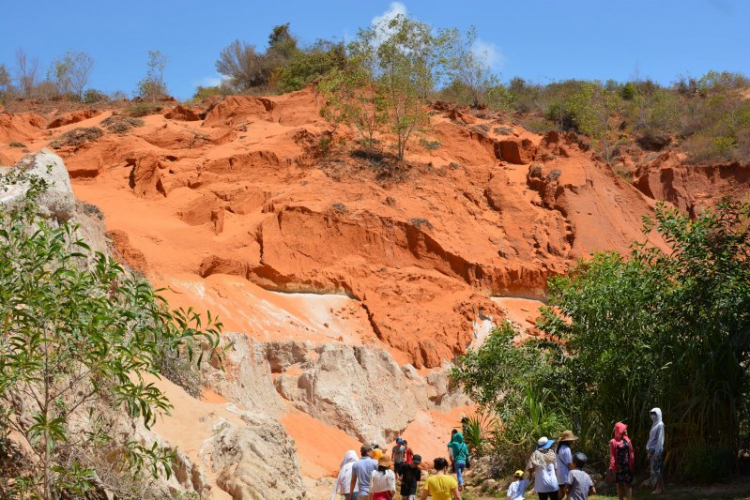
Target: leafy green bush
[143,108]
[623,335]
[119,124]
[203,93]
[310,63]
[78,336]
[77,137]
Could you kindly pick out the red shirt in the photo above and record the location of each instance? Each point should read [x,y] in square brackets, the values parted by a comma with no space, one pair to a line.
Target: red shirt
[409,455]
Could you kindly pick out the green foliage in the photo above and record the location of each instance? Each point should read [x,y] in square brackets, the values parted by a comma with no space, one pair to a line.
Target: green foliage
[152,87]
[478,432]
[243,66]
[119,124]
[92,96]
[627,334]
[143,108]
[5,81]
[203,93]
[78,336]
[429,145]
[71,73]
[350,95]
[468,69]
[391,72]
[306,65]
[77,137]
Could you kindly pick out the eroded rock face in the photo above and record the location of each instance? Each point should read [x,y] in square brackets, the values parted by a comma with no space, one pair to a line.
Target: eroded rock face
[245,378]
[73,117]
[254,461]
[692,188]
[360,389]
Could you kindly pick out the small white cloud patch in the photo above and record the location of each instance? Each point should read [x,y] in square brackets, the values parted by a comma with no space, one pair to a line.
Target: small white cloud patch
[394,10]
[487,52]
[380,23]
[209,81]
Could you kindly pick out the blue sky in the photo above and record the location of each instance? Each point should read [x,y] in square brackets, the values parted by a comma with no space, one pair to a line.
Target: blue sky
[537,40]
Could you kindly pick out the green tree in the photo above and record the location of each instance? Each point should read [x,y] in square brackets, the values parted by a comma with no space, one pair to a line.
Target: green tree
[352,95]
[244,66]
[410,59]
[310,63]
[667,328]
[77,336]
[71,73]
[152,87]
[469,67]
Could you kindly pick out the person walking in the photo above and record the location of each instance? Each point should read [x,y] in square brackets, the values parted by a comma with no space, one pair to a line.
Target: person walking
[411,474]
[564,460]
[622,461]
[542,465]
[579,485]
[383,480]
[517,488]
[460,457]
[362,473]
[655,450]
[344,479]
[409,455]
[398,455]
[441,486]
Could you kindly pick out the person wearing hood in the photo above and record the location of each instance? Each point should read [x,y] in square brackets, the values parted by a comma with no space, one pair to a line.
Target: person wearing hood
[655,449]
[343,481]
[622,461]
[460,454]
[542,464]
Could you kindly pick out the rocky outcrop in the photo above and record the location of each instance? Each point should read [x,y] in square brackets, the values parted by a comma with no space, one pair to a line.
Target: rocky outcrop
[146,177]
[255,460]
[19,127]
[73,117]
[359,389]
[182,113]
[518,151]
[57,201]
[692,188]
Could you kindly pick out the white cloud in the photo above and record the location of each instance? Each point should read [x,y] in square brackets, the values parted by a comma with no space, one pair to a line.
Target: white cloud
[380,23]
[209,81]
[488,52]
[394,10]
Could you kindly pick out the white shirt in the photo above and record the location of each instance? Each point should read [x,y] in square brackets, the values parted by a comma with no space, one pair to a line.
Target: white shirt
[545,479]
[380,482]
[517,489]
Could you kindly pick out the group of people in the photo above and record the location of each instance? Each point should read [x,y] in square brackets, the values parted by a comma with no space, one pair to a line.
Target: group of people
[556,473]
[376,475]
[559,473]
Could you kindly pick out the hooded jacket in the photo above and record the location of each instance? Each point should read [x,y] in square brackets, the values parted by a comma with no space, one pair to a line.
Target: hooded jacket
[656,436]
[617,442]
[345,474]
[459,449]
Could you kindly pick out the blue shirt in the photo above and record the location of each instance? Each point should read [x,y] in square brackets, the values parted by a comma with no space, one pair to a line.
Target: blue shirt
[363,468]
[564,457]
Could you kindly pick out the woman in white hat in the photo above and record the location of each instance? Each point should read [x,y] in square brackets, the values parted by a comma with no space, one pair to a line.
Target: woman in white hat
[542,465]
